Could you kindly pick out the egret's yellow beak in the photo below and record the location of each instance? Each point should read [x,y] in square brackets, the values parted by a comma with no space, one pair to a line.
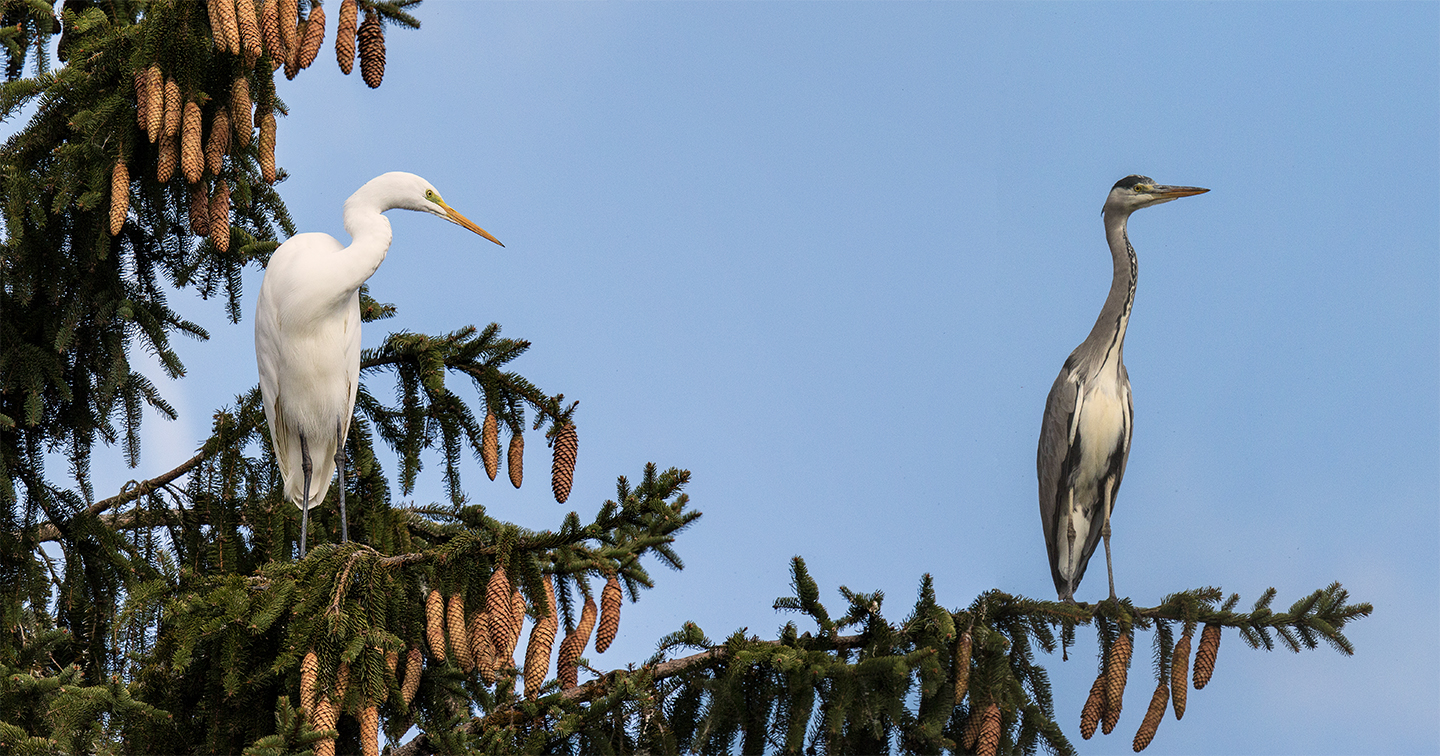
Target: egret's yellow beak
[457,218]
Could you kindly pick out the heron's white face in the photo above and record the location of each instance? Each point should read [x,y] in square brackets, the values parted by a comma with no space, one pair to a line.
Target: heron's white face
[1134,192]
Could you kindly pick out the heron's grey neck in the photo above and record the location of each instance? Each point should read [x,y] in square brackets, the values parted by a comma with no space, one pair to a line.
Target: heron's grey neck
[1107,338]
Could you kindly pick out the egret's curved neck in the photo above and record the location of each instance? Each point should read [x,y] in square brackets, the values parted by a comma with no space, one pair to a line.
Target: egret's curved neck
[1107,338]
[370,235]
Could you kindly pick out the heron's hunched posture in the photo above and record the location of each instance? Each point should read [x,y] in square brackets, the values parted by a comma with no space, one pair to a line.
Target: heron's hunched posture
[1085,436]
[307,335]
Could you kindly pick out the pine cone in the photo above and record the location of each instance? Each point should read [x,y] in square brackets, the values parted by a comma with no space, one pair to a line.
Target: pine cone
[1179,674]
[515,459]
[119,196]
[459,639]
[412,675]
[167,160]
[172,108]
[989,740]
[567,667]
[240,106]
[482,649]
[610,600]
[326,716]
[489,443]
[249,31]
[1205,655]
[342,684]
[267,148]
[517,621]
[309,667]
[1094,708]
[435,625]
[971,734]
[962,666]
[371,38]
[314,36]
[542,639]
[370,731]
[270,33]
[392,660]
[199,210]
[345,43]
[217,26]
[562,470]
[292,56]
[227,35]
[1153,715]
[142,99]
[220,217]
[287,16]
[1117,668]
[155,108]
[497,604]
[192,160]
[219,143]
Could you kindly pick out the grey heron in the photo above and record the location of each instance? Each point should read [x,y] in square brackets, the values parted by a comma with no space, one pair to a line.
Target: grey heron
[1085,434]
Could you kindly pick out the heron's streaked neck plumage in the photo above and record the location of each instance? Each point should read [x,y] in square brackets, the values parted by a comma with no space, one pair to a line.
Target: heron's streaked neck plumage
[1107,339]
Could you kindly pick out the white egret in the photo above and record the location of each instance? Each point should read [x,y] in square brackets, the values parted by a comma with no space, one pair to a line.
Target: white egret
[307,334]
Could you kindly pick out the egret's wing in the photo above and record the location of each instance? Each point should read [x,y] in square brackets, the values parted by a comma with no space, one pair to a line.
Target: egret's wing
[352,363]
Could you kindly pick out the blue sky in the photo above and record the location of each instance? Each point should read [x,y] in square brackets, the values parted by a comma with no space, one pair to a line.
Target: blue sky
[829,257]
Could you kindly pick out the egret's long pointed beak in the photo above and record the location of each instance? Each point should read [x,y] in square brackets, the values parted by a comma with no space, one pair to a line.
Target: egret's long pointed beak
[1175,192]
[459,219]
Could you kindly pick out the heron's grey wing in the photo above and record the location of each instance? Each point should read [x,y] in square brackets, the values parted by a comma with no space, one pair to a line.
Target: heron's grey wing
[1051,459]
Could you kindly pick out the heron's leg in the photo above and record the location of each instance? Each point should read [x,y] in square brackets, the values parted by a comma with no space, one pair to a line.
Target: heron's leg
[305,468]
[340,468]
[1105,531]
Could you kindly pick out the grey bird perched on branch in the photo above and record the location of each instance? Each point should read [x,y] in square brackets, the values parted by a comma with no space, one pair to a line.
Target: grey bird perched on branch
[1085,435]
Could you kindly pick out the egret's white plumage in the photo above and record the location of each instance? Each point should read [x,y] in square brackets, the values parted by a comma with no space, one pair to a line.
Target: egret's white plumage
[307,329]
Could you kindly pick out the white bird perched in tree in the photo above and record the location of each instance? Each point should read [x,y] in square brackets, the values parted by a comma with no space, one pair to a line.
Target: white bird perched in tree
[307,334]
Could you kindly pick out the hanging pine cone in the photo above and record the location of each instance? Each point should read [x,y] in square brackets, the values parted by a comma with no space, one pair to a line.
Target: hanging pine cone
[249,31]
[155,107]
[342,684]
[515,459]
[482,649]
[169,157]
[542,639]
[287,17]
[567,667]
[220,217]
[989,740]
[517,621]
[370,731]
[219,143]
[392,660]
[119,196]
[497,594]
[1153,715]
[1094,708]
[1205,655]
[562,469]
[459,639]
[192,159]
[1117,668]
[1180,673]
[292,57]
[412,675]
[224,25]
[314,36]
[142,99]
[345,42]
[371,38]
[270,33]
[240,107]
[326,716]
[962,666]
[490,445]
[309,667]
[267,148]
[199,210]
[172,108]
[610,600]
[435,625]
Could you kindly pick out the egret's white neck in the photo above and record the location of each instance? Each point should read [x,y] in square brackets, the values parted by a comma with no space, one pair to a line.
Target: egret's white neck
[369,232]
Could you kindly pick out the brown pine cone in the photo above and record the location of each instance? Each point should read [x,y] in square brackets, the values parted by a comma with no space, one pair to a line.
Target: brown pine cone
[309,667]
[482,649]
[371,38]
[219,144]
[989,740]
[1094,708]
[240,106]
[267,148]
[435,625]
[962,666]
[567,667]
[220,217]
[562,469]
[1117,668]
[392,660]
[542,639]
[326,716]
[270,33]
[172,108]
[199,210]
[142,99]
[119,196]
[249,31]
[192,159]
[497,603]
[515,459]
[169,158]
[1153,715]
[292,58]
[517,621]
[459,638]
[217,26]
[369,731]
[411,683]
[490,443]
[314,36]
[287,17]
[227,37]
[155,108]
[1179,674]
[342,684]
[610,600]
[345,43]
[1205,655]
[971,734]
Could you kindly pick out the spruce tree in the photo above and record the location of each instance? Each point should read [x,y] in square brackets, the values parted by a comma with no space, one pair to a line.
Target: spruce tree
[176,618]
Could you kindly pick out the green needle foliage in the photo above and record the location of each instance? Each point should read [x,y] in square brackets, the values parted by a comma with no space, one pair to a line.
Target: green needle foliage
[172,616]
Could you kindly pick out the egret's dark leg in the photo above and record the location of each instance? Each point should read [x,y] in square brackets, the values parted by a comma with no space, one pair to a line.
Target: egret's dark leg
[1106,533]
[305,468]
[340,468]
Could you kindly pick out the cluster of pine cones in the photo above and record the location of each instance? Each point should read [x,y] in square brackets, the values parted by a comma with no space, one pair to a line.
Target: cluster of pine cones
[174,119]
[1103,705]
[562,467]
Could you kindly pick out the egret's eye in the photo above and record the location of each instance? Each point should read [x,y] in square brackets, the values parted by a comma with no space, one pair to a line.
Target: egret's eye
[431,195]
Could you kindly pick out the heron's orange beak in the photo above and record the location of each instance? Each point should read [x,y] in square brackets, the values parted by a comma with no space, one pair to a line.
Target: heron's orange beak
[459,219]
[1173,192]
